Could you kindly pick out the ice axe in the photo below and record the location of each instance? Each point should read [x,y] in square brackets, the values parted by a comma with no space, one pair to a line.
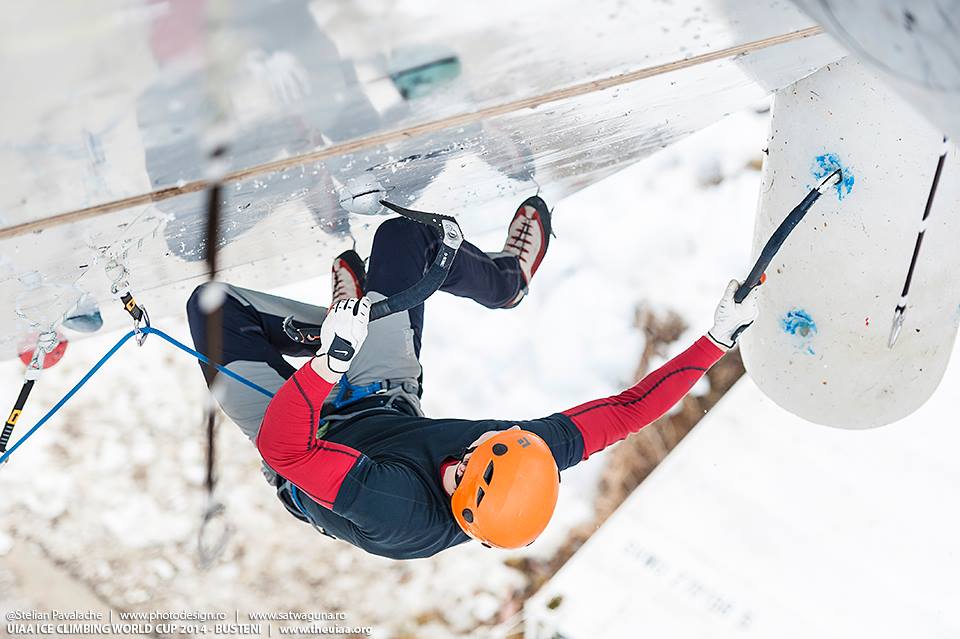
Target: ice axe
[417,293]
[433,279]
[756,276]
[49,348]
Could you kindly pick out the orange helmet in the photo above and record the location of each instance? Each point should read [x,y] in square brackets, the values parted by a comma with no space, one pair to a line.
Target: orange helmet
[508,490]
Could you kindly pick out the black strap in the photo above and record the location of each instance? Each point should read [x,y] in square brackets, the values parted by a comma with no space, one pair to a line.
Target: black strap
[15,413]
[435,276]
[381,403]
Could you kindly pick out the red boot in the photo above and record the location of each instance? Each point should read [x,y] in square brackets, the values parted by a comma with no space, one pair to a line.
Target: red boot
[347,276]
[528,238]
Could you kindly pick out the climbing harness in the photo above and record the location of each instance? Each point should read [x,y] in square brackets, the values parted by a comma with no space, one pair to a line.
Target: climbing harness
[757,276]
[901,308]
[349,393]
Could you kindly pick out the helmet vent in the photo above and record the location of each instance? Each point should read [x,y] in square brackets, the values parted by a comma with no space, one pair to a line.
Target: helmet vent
[480,495]
[499,449]
[488,474]
[467,515]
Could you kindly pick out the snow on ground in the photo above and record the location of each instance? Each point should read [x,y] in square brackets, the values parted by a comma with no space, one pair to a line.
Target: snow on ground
[761,524]
[111,488]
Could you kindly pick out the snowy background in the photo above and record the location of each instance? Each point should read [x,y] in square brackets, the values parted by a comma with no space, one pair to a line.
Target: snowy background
[103,504]
[761,524]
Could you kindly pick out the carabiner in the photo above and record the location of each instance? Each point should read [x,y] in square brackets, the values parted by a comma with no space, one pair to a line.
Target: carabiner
[138,333]
[207,552]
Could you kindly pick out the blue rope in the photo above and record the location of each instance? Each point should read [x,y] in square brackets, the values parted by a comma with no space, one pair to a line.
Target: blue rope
[103,360]
[203,358]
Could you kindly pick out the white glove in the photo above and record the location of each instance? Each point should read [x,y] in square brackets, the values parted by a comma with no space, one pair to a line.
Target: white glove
[342,333]
[731,318]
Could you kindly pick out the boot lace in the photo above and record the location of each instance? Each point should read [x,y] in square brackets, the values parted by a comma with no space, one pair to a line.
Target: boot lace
[521,240]
[340,290]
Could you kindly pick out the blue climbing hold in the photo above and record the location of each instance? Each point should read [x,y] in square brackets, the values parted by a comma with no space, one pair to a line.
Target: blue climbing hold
[824,165]
[800,324]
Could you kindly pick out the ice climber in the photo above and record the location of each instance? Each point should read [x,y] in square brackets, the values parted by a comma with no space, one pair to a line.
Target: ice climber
[344,440]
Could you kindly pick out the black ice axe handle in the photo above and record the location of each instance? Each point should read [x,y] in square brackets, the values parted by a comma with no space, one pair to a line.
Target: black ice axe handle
[433,279]
[411,297]
[780,236]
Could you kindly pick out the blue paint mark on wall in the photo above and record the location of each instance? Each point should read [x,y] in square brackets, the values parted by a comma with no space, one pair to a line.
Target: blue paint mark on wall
[824,165]
[801,326]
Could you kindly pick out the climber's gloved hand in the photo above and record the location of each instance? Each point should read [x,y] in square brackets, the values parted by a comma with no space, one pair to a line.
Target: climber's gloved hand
[731,318]
[341,335]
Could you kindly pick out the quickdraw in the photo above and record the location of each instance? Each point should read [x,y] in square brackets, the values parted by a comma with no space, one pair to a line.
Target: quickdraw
[46,343]
[120,287]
